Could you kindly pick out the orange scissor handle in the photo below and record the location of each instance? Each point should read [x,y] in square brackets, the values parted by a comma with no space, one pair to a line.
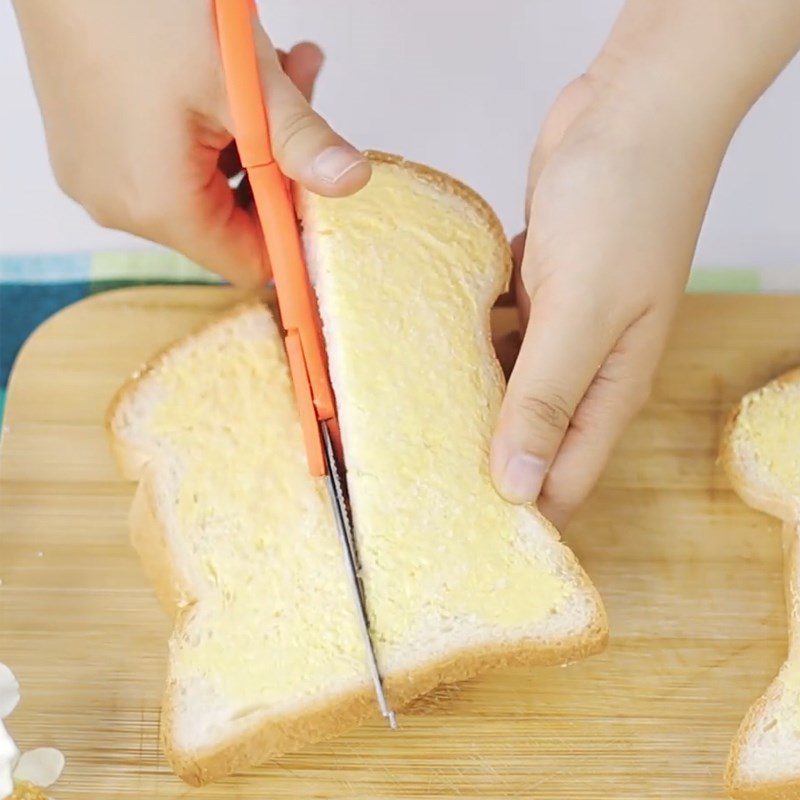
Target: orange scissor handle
[271,191]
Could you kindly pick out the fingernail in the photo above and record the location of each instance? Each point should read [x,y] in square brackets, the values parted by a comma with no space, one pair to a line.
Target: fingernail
[333,163]
[522,478]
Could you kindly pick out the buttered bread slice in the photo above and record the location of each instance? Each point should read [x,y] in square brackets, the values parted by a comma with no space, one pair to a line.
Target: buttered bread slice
[406,272]
[240,541]
[761,452]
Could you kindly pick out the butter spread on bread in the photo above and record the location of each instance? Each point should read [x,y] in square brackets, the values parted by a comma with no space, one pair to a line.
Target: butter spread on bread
[240,542]
[761,452]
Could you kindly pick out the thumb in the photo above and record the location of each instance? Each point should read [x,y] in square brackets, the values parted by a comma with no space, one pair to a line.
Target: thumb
[564,345]
[308,150]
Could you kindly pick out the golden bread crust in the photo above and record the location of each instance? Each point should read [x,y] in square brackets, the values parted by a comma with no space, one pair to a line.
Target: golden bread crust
[784,507]
[288,733]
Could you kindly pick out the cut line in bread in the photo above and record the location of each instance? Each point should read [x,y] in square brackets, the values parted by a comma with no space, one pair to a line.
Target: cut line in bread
[761,453]
[240,542]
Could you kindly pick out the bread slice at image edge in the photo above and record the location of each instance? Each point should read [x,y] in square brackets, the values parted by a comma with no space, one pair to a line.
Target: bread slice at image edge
[764,762]
[178,590]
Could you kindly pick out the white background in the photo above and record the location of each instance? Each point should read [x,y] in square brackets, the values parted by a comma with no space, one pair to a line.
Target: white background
[463,90]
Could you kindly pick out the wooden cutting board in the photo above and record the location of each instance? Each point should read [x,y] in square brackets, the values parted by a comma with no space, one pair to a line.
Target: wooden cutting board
[690,576]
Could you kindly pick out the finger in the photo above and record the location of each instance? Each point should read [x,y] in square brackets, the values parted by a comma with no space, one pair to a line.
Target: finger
[211,229]
[620,389]
[229,162]
[186,204]
[565,343]
[305,146]
[302,64]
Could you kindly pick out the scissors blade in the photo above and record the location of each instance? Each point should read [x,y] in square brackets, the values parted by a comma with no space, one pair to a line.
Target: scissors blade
[347,540]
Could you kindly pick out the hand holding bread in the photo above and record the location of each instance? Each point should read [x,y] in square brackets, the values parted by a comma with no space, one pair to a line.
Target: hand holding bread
[618,185]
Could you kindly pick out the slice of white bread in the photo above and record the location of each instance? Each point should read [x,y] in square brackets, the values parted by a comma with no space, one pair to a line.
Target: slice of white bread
[761,453]
[240,541]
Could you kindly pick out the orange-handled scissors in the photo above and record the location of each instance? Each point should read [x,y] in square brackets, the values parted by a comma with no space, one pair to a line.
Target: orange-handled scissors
[273,199]
[305,346]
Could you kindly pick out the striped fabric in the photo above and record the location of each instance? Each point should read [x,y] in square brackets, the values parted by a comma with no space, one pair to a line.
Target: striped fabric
[34,287]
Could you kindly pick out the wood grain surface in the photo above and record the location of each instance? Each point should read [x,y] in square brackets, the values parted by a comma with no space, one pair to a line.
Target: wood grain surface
[690,576]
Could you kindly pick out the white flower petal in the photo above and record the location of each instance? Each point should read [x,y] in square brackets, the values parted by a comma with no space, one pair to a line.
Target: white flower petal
[42,767]
[9,691]
[8,760]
